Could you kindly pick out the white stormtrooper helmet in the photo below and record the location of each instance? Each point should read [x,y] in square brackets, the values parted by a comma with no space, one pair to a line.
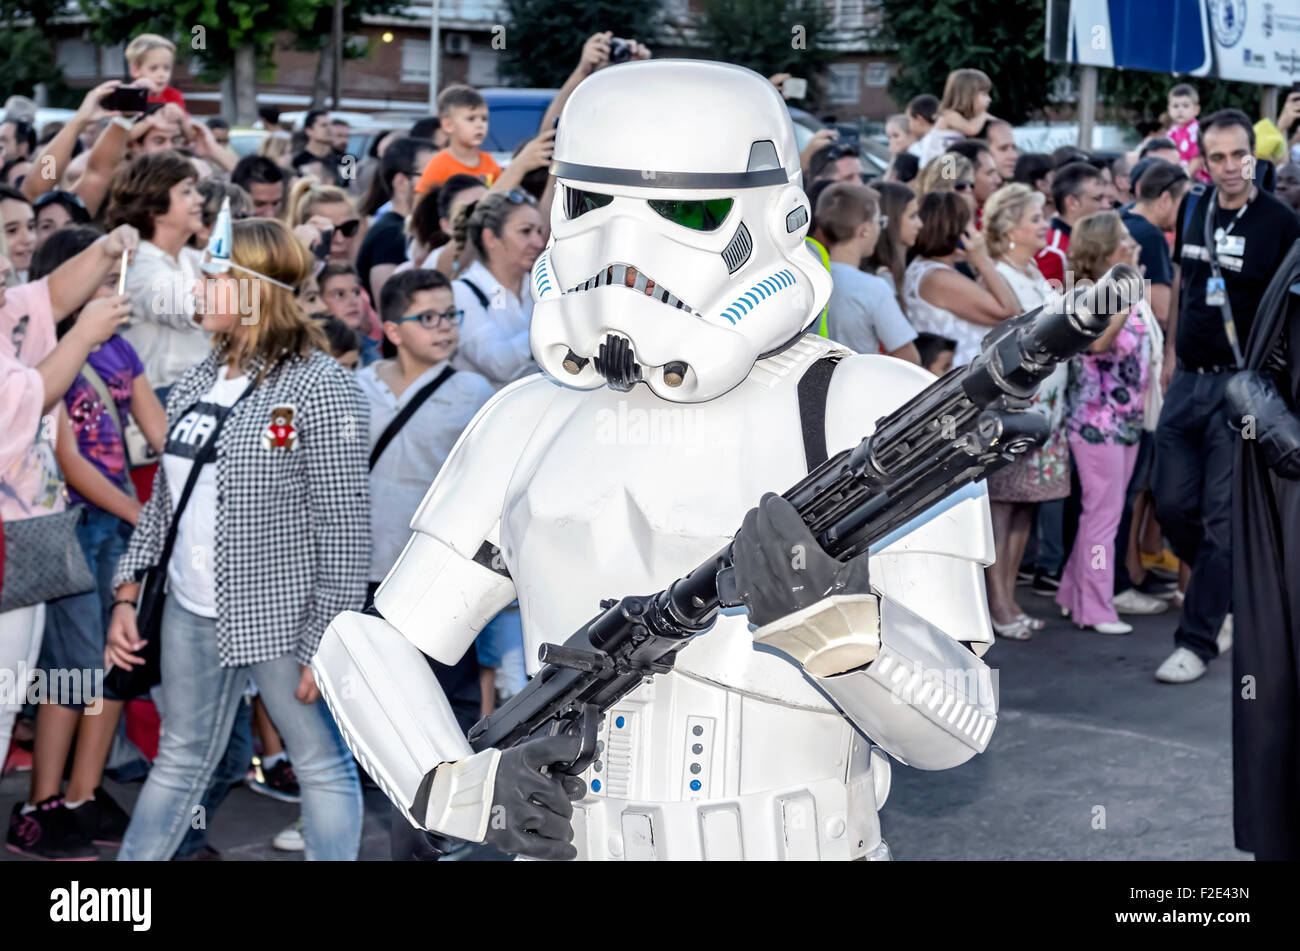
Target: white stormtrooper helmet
[677,254]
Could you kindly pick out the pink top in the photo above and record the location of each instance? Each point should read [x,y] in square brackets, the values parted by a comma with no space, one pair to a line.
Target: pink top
[31,482]
[1184,136]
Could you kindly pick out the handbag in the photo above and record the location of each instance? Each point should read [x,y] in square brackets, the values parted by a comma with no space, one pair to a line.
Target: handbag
[128,683]
[44,560]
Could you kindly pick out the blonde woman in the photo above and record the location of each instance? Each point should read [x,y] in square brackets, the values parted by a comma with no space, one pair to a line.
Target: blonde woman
[949,172]
[1104,417]
[272,545]
[1014,230]
[315,210]
[278,147]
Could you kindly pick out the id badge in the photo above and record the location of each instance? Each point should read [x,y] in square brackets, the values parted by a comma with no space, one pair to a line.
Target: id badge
[1216,294]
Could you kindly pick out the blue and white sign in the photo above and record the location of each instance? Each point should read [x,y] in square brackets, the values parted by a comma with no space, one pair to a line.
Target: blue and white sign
[1256,41]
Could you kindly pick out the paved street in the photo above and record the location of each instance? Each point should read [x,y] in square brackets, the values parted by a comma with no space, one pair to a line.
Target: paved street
[1083,725]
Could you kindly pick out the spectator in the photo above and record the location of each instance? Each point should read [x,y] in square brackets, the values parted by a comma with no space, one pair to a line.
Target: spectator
[17,139]
[1192,473]
[340,131]
[1160,148]
[903,168]
[424,129]
[863,312]
[1035,170]
[37,372]
[14,171]
[1068,154]
[92,455]
[319,148]
[220,129]
[264,181]
[899,133]
[278,147]
[157,195]
[1076,191]
[1184,106]
[836,162]
[344,342]
[963,112]
[1288,186]
[19,229]
[463,114]
[505,231]
[922,111]
[1015,229]
[1104,419]
[936,352]
[457,192]
[1120,168]
[900,207]
[986,177]
[55,210]
[311,526]
[341,294]
[384,247]
[949,172]
[1159,193]
[1109,193]
[1002,143]
[942,300]
[149,59]
[325,220]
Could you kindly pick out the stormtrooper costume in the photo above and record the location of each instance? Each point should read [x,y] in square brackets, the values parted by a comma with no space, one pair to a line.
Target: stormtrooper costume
[664,413]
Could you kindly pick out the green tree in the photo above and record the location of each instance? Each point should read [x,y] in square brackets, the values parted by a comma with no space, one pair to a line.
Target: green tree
[544,38]
[1005,41]
[772,36]
[26,54]
[1134,95]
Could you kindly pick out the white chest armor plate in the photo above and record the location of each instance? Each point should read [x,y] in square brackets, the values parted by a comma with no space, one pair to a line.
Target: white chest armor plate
[735,753]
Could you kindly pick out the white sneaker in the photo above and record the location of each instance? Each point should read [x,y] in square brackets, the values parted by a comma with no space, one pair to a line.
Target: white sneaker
[1181,667]
[1108,627]
[1224,640]
[289,839]
[1134,601]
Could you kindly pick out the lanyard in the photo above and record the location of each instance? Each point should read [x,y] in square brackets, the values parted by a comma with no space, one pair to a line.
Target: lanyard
[1221,233]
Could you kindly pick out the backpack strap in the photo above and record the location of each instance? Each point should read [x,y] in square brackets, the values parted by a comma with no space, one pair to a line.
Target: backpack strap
[812,390]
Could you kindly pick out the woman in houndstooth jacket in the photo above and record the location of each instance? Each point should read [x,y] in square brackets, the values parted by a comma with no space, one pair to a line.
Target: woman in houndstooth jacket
[273,543]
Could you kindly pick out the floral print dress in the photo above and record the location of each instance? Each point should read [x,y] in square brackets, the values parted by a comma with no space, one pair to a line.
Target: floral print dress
[1107,390]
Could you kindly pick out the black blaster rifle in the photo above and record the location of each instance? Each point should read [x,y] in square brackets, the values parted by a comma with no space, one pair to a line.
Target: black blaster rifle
[954,432]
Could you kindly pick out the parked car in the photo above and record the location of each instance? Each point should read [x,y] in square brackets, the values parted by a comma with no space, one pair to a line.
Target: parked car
[514,117]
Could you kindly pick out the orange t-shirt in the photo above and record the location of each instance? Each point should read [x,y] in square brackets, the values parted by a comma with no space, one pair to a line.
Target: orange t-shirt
[444,165]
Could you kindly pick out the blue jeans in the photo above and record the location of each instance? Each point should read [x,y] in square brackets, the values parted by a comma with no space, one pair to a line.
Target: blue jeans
[232,769]
[1051,541]
[201,699]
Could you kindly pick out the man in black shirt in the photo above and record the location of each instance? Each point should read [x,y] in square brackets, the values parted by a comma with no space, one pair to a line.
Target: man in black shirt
[384,247]
[320,148]
[1251,232]
[1159,188]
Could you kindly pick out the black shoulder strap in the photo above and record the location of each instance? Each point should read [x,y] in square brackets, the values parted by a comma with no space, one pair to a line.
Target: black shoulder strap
[205,455]
[482,298]
[1225,308]
[407,412]
[813,387]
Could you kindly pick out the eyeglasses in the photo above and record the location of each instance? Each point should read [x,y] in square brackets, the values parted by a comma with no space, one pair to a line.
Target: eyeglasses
[349,227]
[431,319]
[962,185]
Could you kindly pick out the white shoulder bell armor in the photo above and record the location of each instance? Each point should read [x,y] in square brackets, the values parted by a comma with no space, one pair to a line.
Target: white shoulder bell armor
[677,252]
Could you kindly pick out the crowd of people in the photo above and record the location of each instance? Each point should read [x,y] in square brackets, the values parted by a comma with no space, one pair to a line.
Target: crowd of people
[266,467]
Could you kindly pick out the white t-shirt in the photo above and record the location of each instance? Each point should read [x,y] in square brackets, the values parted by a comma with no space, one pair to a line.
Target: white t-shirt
[863,312]
[193,561]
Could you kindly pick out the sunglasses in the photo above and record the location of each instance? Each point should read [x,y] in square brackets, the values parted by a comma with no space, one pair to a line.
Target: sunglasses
[962,185]
[349,227]
[516,197]
[431,319]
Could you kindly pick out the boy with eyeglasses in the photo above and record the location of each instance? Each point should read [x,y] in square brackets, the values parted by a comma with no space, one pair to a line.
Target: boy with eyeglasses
[418,407]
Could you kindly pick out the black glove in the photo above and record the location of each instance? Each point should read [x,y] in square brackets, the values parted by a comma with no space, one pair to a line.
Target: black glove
[779,567]
[1277,427]
[531,810]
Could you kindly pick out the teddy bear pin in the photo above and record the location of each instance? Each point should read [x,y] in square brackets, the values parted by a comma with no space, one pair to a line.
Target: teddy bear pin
[280,434]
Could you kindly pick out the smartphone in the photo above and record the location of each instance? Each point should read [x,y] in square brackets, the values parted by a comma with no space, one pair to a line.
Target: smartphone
[126,99]
[794,88]
[322,247]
